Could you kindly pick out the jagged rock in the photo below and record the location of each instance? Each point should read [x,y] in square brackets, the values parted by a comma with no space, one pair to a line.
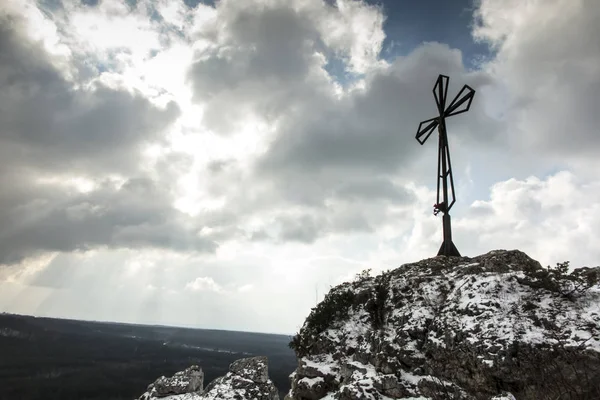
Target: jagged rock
[311,388]
[254,369]
[190,380]
[388,385]
[494,326]
[247,379]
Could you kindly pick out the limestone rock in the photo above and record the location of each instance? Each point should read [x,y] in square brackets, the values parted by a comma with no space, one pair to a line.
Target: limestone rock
[247,379]
[497,326]
[254,369]
[190,381]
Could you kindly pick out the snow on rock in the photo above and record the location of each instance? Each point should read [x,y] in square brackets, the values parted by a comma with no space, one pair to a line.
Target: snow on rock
[497,326]
[254,369]
[247,379]
[189,381]
[504,396]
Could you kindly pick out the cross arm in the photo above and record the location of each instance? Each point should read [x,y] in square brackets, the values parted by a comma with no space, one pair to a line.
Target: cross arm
[461,103]
[440,92]
[426,128]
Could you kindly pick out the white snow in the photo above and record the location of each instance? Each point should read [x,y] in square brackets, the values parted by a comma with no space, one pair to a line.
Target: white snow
[312,381]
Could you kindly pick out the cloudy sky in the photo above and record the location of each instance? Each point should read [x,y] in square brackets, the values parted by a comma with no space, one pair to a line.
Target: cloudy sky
[222,164]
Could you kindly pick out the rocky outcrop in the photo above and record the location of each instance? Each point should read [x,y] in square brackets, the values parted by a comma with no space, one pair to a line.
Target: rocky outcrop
[184,382]
[497,326]
[247,379]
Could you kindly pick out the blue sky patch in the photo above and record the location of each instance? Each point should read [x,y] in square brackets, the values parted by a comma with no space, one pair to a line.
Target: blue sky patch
[410,23]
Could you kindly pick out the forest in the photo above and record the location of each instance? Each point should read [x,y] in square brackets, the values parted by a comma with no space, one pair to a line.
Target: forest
[46,358]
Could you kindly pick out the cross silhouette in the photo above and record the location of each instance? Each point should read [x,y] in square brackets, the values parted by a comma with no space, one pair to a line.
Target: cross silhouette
[460,104]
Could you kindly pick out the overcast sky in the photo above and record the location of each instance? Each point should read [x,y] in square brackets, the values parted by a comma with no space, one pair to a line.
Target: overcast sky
[221,165]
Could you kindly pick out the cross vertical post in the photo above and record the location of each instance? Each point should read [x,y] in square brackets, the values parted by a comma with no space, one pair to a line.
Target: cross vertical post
[460,104]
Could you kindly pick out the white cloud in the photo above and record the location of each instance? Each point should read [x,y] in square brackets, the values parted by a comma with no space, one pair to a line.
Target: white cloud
[555,219]
[353,30]
[245,288]
[203,283]
[111,26]
[39,28]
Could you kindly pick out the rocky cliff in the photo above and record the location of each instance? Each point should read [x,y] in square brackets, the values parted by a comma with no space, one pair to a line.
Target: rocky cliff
[494,327]
[497,326]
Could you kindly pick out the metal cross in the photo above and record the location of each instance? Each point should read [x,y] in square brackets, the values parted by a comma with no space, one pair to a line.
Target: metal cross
[460,104]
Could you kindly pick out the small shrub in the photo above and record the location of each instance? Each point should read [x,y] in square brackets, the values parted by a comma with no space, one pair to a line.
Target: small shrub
[334,307]
[559,280]
[376,304]
[365,274]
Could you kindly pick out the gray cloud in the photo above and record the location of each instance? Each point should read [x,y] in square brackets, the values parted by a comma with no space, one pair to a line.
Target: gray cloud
[47,124]
[50,128]
[263,61]
[549,72]
[374,129]
[272,45]
[136,215]
[373,190]
[303,228]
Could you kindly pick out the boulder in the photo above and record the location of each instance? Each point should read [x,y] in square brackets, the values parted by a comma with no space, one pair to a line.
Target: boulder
[254,369]
[247,379]
[191,380]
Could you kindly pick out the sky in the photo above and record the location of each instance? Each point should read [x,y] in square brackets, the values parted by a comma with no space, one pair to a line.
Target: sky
[222,164]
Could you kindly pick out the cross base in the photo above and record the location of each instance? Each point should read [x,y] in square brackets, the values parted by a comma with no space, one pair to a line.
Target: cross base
[448,248]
